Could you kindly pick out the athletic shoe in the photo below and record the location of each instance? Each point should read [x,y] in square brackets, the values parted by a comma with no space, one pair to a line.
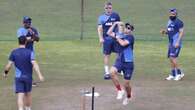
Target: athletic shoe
[107,76]
[177,78]
[121,73]
[170,77]
[182,75]
[34,84]
[120,94]
[126,101]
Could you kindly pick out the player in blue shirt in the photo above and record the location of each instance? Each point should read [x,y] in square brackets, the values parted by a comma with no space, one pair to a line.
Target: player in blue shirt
[31,33]
[175,32]
[24,61]
[124,61]
[105,21]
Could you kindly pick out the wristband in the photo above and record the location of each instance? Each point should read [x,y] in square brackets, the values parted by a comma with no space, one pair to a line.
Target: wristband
[6,72]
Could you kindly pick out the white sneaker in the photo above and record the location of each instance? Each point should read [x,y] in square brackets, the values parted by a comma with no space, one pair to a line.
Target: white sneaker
[182,75]
[126,101]
[170,77]
[177,78]
[120,94]
[121,73]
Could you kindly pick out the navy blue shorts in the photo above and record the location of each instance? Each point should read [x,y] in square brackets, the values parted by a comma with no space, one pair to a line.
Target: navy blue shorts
[126,67]
[173,52]
[110,45]
[23,86]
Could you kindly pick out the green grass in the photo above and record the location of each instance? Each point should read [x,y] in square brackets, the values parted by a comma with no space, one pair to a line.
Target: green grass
[76,64]
[70,65]
[60,19]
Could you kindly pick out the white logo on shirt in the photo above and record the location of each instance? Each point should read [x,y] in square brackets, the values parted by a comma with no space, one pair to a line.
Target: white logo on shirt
[109,24]
[113,19]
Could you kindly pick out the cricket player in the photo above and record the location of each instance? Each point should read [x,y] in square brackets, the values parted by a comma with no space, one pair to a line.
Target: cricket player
[175,32]
[24,61]
[124,61]
[30,33]
[105,21]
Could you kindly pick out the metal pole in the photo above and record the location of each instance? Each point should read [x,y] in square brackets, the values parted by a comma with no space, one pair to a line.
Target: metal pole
[92,105]
[82,19]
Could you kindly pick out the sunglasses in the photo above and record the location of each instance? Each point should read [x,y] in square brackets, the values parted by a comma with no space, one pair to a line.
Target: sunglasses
[129,28]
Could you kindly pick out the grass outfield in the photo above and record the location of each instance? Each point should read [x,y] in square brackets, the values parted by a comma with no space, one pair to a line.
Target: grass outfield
[70,66]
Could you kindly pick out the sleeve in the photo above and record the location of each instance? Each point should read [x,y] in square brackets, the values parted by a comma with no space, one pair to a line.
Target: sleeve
[19,33]
[32,56]
[180,25]
[131,40]
[100,21]
[11,57]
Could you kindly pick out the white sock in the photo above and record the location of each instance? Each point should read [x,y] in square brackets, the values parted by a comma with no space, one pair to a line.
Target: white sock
[106,68]
[27,108]
[21,108]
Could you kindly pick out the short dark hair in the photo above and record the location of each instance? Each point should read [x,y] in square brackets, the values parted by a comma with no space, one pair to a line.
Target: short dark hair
[173,10]
[129,26]
[108,3]
[27,19]
[22,40]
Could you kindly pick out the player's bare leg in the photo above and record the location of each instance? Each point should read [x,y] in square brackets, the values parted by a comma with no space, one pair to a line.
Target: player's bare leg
[127,87]
[115,80]
[37,70]
[20,101]
[28,101]
[173,66]
[106,67]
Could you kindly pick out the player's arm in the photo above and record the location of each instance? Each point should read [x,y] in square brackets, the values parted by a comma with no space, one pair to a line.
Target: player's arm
[110,30]
[100,33]
[7,68]
[37,70]
[122,42]
[35,36]
[163,31]
[181,34]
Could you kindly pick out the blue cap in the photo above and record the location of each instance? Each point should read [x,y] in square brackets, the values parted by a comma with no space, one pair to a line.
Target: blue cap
[173,10]
[26,19]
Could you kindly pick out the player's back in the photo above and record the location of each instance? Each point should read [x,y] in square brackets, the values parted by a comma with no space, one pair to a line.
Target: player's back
[22,60]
